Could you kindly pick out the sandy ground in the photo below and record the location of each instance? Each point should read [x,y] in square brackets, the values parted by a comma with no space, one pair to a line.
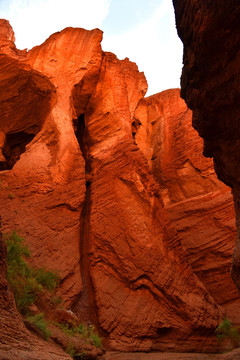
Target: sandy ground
[233,355]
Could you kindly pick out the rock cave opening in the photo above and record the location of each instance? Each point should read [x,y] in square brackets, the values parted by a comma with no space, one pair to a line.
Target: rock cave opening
[135,126]
[15,145]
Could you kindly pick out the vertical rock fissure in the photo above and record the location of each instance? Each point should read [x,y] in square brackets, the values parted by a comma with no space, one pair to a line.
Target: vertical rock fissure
[85,306]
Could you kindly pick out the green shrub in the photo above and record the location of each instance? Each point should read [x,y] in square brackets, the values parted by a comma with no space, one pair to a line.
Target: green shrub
[82,330]
[39,322]
[67,329]
[56,301]
[226,331]
[47,279]
[16,251]
[26,281]
[97,341]
[70,350]
[19,272]
[88,333]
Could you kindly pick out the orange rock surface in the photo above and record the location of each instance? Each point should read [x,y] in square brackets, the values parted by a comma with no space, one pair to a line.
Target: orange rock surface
[16,341]
[93,190]
[210,86]
[198,204]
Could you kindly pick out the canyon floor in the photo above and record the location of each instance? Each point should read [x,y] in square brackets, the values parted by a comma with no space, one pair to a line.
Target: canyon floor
[232,355]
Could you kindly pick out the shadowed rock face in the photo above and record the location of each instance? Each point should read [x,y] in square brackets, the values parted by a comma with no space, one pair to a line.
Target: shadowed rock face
[25,101]
[211,86]
[92,194]
[16,341]
[198,204]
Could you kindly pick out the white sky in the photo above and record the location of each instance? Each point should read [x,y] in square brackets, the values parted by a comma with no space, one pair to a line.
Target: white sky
[142,30]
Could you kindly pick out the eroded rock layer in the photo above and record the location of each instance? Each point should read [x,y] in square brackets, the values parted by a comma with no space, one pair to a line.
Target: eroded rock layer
[93,190]
[198,204]
[16,341]
[211,86]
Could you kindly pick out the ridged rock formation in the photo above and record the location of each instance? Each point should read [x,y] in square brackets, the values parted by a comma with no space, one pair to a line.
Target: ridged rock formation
[197,203]
[211,87]
[85,186]
[16,341]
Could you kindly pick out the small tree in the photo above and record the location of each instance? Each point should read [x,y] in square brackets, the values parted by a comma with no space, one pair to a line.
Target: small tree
[26,281]
[226,331]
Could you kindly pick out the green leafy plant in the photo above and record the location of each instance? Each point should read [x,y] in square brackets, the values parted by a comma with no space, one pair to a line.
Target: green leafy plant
[97,341]
[39,322]
[70,350]
[11,196]
[28,283]
[226,331]
[47,279]
[67,329]
[87,333]
[82,330]
[56,301]
[81,356]
[90,332]
[18,271]
[25,280]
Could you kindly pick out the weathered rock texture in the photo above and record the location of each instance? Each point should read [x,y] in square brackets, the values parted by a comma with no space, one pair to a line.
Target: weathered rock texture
[16,341]
[80,186]
[211,86]
[197,203]
[232,355]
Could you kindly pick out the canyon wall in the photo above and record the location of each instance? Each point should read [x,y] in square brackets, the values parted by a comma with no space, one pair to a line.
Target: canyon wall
[16,341]
[199,206]
[211,86]
[110,189]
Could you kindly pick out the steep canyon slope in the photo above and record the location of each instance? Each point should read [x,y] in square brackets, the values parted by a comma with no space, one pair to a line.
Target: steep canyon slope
[197,203]
[211,86]
[16,341]
[110,189]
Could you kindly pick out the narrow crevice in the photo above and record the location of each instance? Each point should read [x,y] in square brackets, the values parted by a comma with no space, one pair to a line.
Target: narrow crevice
[80,132]
[135,126]
[85,305]
[15,145]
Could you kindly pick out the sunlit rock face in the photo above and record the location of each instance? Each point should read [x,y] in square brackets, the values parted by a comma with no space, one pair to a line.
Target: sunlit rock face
[198,204]
[93,189]
[211,86]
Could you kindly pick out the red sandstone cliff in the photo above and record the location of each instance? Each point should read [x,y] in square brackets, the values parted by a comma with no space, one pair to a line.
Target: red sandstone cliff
[198,204]
[89,166]
[16,341]
[211,86]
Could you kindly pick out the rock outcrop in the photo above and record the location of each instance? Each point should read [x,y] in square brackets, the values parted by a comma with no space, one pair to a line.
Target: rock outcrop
[16,341]
[210,86]
[94,194]
[198,204]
